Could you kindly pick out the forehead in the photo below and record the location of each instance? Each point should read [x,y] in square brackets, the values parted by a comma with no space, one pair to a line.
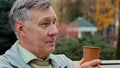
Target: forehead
[42,13]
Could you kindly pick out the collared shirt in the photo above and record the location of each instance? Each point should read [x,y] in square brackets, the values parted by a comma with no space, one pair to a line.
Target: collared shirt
[28,56]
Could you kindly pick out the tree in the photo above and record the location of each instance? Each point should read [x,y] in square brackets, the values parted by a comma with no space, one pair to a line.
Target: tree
[118,47]
[68,10]
[60,7]
[100,13]
[74,10]
[7,36]
[89,10]
[104,15]
[118,44]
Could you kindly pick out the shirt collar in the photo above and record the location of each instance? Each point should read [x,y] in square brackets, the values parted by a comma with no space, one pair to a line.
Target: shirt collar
[27,55]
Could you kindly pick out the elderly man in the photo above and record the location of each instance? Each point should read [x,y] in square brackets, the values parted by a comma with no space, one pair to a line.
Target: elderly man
[33,22]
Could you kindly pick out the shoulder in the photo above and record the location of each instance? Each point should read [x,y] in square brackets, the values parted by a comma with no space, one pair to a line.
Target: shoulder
[62,60]
[61,57]
[9,57]
[4,63]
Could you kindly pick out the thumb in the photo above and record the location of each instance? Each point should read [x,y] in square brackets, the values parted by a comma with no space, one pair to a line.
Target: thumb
[93,63]
[82,61]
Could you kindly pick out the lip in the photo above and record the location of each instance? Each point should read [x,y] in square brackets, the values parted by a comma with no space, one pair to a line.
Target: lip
[51,42]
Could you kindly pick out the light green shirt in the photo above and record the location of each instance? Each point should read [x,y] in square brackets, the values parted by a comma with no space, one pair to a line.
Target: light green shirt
[27,55]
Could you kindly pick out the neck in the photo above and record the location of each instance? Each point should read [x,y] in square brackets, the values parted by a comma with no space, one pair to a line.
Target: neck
[38,54]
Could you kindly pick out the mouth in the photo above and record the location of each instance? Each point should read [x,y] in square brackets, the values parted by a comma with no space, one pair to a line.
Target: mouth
[51,42]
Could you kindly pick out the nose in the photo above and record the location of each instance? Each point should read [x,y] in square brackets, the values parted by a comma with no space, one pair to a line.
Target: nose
[52,30]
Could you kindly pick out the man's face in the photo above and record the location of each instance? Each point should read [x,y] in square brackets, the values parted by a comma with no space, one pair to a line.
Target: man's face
[40,33]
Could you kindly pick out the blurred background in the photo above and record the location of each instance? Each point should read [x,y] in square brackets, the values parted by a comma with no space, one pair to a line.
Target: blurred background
[80,23]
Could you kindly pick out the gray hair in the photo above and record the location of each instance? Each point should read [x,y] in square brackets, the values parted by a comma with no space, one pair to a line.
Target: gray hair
[20,9]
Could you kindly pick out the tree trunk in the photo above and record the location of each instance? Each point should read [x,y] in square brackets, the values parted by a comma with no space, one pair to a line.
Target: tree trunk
[118,45]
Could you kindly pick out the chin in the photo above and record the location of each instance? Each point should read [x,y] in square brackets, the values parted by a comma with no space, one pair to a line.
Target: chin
[51,50]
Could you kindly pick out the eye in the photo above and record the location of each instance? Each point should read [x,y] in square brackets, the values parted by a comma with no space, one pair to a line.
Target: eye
[45,24]
[54,21]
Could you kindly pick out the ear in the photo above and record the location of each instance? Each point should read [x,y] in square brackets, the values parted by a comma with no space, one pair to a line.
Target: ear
[19,28]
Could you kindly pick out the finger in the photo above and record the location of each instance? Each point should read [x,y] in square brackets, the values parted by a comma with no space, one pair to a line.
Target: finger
[94,63]
[81,61]
[98,66]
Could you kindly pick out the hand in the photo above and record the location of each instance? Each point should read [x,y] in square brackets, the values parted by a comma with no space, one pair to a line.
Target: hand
[91,64]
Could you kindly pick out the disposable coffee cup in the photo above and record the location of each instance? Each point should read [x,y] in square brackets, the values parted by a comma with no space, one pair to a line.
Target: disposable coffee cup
[91,53]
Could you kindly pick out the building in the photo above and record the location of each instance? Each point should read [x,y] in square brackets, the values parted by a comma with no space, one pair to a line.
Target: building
[82,27]
[77,29]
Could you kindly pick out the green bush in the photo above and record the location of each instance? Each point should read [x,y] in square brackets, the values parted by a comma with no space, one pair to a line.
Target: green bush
[107,49]
[69,47]
[73,47]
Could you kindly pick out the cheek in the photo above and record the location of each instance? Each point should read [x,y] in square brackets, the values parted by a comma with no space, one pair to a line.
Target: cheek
[39,35]
[42,36]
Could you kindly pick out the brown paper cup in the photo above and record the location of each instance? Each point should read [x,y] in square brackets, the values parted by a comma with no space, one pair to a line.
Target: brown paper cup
[91,53]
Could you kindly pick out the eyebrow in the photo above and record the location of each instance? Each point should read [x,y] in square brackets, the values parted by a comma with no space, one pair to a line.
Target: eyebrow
[48,18]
